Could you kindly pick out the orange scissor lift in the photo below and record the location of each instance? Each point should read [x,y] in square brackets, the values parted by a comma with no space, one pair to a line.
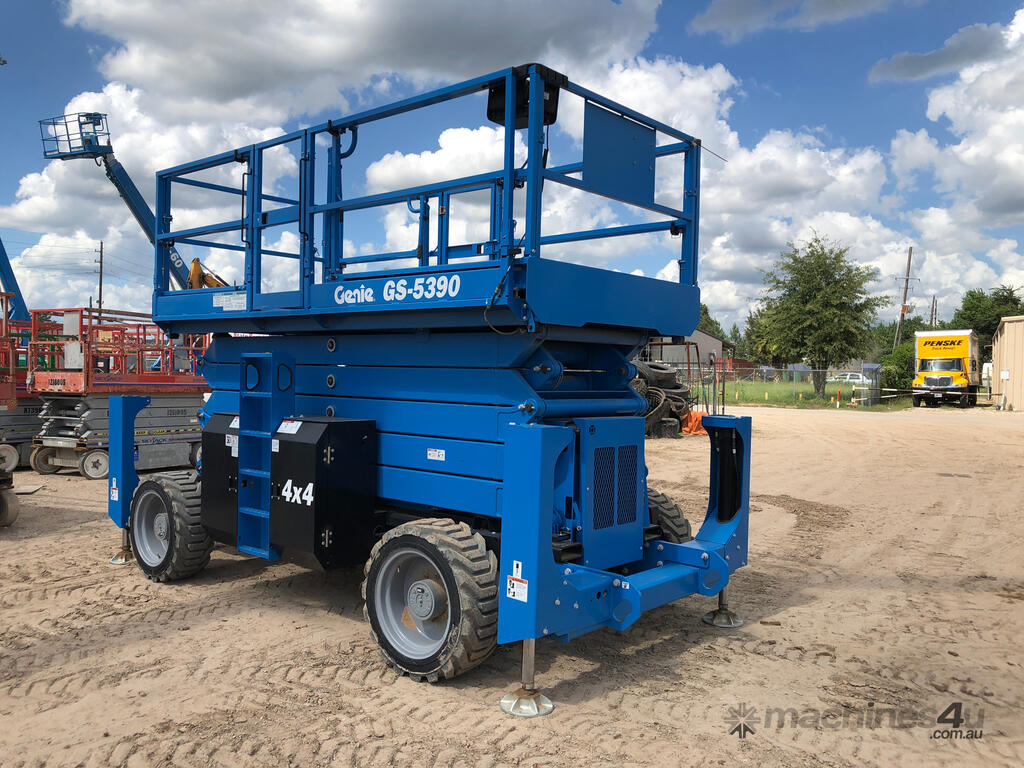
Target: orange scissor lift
[19,419]
[19,408]
[78,357]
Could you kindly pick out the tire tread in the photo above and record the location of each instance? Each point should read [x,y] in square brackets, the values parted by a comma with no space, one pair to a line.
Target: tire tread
[193,544]
[476,573]
[666,513]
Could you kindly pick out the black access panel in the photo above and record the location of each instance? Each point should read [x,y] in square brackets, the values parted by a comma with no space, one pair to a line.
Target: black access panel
[323,483]
[220,478]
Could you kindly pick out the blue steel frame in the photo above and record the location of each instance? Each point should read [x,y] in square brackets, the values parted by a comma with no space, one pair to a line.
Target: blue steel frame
[505,400]
[18,309]
[315,304]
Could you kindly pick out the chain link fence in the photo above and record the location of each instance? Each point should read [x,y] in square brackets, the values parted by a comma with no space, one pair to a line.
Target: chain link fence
[718,385]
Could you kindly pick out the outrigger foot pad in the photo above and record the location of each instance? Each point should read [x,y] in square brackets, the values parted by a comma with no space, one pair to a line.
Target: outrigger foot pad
[722,617]
[524,703]
[124,555]
[527,701]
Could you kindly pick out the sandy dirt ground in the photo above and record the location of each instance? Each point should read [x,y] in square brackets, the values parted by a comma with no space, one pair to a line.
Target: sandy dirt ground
[885,576]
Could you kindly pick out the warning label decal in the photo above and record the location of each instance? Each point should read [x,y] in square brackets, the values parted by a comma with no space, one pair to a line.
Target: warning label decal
[517,589]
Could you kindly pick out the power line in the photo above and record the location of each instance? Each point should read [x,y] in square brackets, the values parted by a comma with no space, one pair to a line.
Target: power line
[55,263]
[76,248]
[37,244]
[74,251]
[121,263]
[65,266]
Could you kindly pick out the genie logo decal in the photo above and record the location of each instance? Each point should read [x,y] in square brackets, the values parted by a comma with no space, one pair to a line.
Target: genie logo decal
[360,295]
[431,287]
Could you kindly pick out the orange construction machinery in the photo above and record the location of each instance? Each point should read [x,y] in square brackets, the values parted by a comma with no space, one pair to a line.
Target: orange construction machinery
[76,358]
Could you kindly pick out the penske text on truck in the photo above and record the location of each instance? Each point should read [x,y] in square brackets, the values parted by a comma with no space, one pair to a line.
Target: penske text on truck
[947,368]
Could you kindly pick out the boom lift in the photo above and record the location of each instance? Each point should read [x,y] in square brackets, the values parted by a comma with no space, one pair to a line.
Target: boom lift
[11,416]
[85,134]
[18,419]
[17,310]
[458,415]
[19,409]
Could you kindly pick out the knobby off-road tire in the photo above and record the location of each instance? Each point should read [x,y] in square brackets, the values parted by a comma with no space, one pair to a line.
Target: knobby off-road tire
[657,404]
[666,513]
[165,526]
[658,374]
[10,507]
[448,570]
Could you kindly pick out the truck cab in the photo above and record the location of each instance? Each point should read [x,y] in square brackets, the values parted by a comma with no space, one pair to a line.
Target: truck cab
[947,368]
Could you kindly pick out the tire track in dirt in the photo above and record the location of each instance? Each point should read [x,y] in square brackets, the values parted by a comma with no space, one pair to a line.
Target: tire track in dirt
[251,665]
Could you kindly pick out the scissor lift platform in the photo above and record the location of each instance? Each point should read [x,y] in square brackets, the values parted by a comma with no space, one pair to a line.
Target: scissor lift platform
[78,358]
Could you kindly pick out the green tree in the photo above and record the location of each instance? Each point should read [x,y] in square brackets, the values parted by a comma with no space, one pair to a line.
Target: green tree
[708,324]
[756,345]
[734,335]
[817,307]
[743,345]
[898,366]
[980,312]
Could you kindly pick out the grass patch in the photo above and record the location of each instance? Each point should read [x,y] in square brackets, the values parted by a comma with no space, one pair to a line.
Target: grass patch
[800,394]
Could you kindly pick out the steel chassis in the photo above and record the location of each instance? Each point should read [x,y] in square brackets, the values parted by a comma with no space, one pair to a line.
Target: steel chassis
[498,379]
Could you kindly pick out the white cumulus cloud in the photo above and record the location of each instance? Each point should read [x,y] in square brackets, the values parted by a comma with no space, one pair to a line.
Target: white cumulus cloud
[212,76]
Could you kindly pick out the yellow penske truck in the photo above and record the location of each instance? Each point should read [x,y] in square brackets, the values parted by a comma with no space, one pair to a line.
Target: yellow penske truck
[947,368]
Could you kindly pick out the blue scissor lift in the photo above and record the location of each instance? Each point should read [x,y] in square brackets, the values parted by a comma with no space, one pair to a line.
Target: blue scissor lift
[459,413]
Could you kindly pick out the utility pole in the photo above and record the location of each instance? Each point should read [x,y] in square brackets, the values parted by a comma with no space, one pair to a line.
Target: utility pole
[903,305]
[99,302]
[935,313]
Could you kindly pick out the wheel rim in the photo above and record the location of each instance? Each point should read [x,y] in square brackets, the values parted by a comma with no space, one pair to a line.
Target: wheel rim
[96,464]
[412,603]
[151,529]
[44,463]
[9,458]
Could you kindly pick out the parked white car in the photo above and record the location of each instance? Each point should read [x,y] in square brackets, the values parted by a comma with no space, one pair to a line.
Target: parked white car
[852,378]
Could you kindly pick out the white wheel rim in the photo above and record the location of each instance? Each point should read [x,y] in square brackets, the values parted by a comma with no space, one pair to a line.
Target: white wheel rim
[96,464]
[404,580]
[151,529]
[9,458]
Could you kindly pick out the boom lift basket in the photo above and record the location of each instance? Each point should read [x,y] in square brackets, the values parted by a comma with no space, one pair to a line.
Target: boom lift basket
[82,134]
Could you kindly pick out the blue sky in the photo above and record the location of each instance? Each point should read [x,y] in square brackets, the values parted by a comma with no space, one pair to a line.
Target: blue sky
[855,119]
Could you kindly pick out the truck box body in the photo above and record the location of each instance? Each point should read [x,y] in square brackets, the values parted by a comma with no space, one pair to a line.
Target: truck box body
[947,366]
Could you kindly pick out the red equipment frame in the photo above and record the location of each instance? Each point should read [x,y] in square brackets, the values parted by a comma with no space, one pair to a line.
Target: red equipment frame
[8,357]
[85,350]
